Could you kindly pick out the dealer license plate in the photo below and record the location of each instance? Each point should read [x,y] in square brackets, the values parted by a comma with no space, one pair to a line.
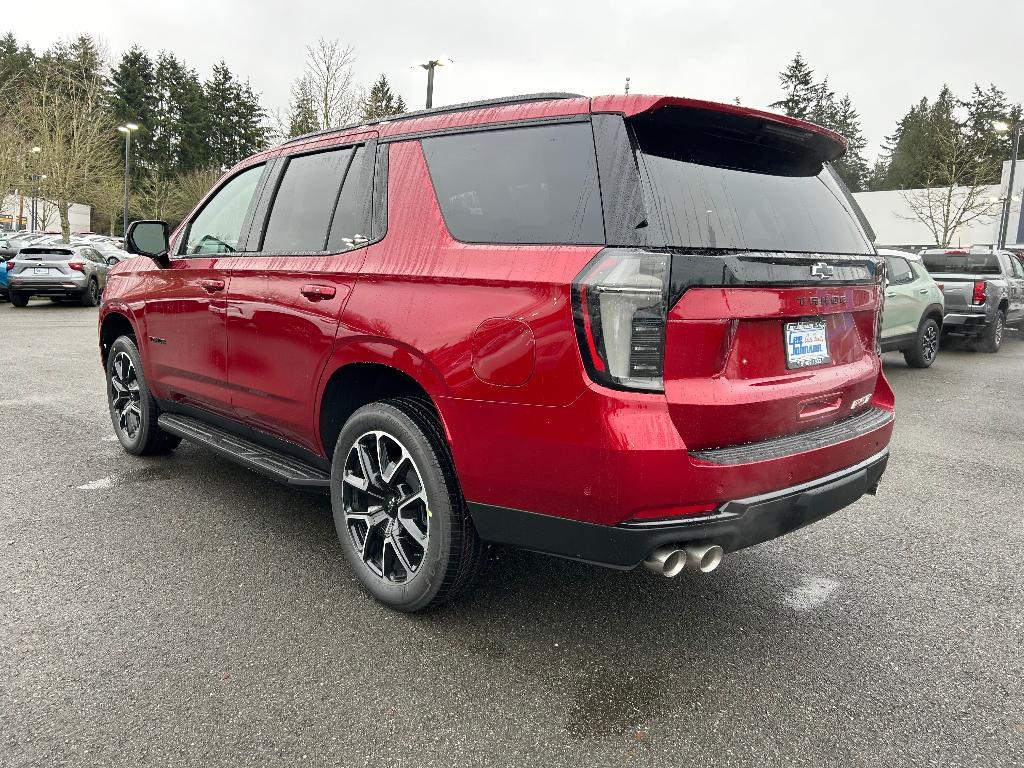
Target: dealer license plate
[806,344]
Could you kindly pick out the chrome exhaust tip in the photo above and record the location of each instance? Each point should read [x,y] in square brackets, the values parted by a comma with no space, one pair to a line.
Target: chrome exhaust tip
[703,557]
[667,561]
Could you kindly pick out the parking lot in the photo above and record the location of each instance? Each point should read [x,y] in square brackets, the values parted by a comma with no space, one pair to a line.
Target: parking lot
[185,611]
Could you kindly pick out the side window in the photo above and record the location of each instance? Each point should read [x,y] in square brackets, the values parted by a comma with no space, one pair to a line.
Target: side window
[218,225]
[351,225]
[1018,270]
[301,213]
[899,270]
[519,185]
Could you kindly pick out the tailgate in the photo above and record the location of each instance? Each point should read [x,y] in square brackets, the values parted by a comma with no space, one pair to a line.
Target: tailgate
[740,368]
[958,291]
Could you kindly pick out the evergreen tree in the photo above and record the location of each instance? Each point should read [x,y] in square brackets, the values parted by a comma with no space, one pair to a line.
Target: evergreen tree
[181,121]
[381,101]
[919,140]
[16,61]
[133,99]
[807,99]
[302,114]
[851,167]
[236,121]
[984,108]
[797,81]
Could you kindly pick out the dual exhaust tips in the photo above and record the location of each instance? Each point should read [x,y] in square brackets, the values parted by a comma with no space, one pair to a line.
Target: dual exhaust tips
[671,559]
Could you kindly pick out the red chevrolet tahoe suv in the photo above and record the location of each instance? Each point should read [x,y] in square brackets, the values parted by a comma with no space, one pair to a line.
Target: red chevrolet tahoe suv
[623,330]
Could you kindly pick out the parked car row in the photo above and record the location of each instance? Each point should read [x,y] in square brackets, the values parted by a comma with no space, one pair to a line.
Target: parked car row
[973,294]
[43,264]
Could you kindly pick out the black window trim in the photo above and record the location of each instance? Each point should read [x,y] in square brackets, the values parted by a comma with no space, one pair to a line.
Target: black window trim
[511,125]
[261,219]
[246,220]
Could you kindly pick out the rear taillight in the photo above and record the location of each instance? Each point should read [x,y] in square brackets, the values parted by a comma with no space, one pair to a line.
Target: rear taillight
[980,292]
[958,252]
[78,266]
[620,302]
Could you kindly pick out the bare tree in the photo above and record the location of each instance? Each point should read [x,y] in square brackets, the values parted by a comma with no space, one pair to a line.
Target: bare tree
[955,192]
[327,89]
[63,114]
[191,187]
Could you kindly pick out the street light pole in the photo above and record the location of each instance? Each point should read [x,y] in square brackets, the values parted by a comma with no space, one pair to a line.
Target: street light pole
[126,129]
[35,190]
[1004,218]
[430,66]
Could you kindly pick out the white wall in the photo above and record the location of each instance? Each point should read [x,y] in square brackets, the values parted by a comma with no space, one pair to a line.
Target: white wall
[894,224]
[79,216]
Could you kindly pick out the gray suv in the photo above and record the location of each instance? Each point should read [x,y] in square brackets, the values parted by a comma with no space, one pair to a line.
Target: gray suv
[58,271]
[983,290]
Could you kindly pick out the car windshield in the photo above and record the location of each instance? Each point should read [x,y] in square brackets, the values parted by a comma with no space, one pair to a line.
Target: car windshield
[964,263]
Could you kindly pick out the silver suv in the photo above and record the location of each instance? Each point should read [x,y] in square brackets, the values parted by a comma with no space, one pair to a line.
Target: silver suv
[58,271]
[914,309]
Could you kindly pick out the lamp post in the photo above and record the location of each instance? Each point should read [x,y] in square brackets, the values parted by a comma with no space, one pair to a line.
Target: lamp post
[126,129]
[35,189]
[430,66]
[1002,126]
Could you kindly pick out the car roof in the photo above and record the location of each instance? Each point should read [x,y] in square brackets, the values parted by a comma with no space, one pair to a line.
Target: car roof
[534,106]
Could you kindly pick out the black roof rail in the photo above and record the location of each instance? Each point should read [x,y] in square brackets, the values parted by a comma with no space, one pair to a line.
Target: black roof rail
[498,102]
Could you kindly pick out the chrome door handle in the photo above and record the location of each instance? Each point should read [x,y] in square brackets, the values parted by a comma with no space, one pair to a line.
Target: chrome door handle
[890,295]
[212,286]
[922,290]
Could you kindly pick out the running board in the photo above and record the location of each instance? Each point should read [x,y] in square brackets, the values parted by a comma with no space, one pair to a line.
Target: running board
[273,464]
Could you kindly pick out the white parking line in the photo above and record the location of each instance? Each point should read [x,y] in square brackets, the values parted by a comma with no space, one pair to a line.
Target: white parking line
[98,485]
[811,593]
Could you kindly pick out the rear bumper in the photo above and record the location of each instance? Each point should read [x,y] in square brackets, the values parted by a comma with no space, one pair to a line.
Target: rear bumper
[964,321]
[734,525]
[51,287]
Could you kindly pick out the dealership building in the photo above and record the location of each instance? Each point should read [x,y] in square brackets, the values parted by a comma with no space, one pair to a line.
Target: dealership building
[896,226]
[16,210]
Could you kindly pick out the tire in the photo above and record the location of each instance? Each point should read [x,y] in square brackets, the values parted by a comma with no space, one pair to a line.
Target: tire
[992,338]
[133,410]
[411,555]
[92,295]
[926,345]
[17,299]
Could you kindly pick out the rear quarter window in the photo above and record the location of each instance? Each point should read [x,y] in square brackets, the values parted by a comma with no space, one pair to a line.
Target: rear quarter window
[535,184]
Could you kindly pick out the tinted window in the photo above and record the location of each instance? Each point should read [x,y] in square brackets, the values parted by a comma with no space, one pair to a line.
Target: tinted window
[962,262]
[706,202]
[305,199]
[351,225]
[218,226]
[899,270]
[521,185]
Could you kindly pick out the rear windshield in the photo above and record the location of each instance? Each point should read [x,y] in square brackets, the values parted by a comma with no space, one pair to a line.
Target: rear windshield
[717,188]
[962,263]
[63,252]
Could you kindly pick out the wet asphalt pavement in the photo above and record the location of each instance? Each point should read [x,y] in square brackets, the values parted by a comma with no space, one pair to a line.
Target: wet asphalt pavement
[185,611]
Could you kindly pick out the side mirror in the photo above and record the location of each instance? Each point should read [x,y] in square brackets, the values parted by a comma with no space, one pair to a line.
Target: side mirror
[148,238]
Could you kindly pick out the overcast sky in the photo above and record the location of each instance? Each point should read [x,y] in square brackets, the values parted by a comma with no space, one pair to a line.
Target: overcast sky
[885,53]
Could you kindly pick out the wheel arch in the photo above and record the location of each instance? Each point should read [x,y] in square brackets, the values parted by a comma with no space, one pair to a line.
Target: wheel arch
[358,383]
[114,324]
[936,312]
